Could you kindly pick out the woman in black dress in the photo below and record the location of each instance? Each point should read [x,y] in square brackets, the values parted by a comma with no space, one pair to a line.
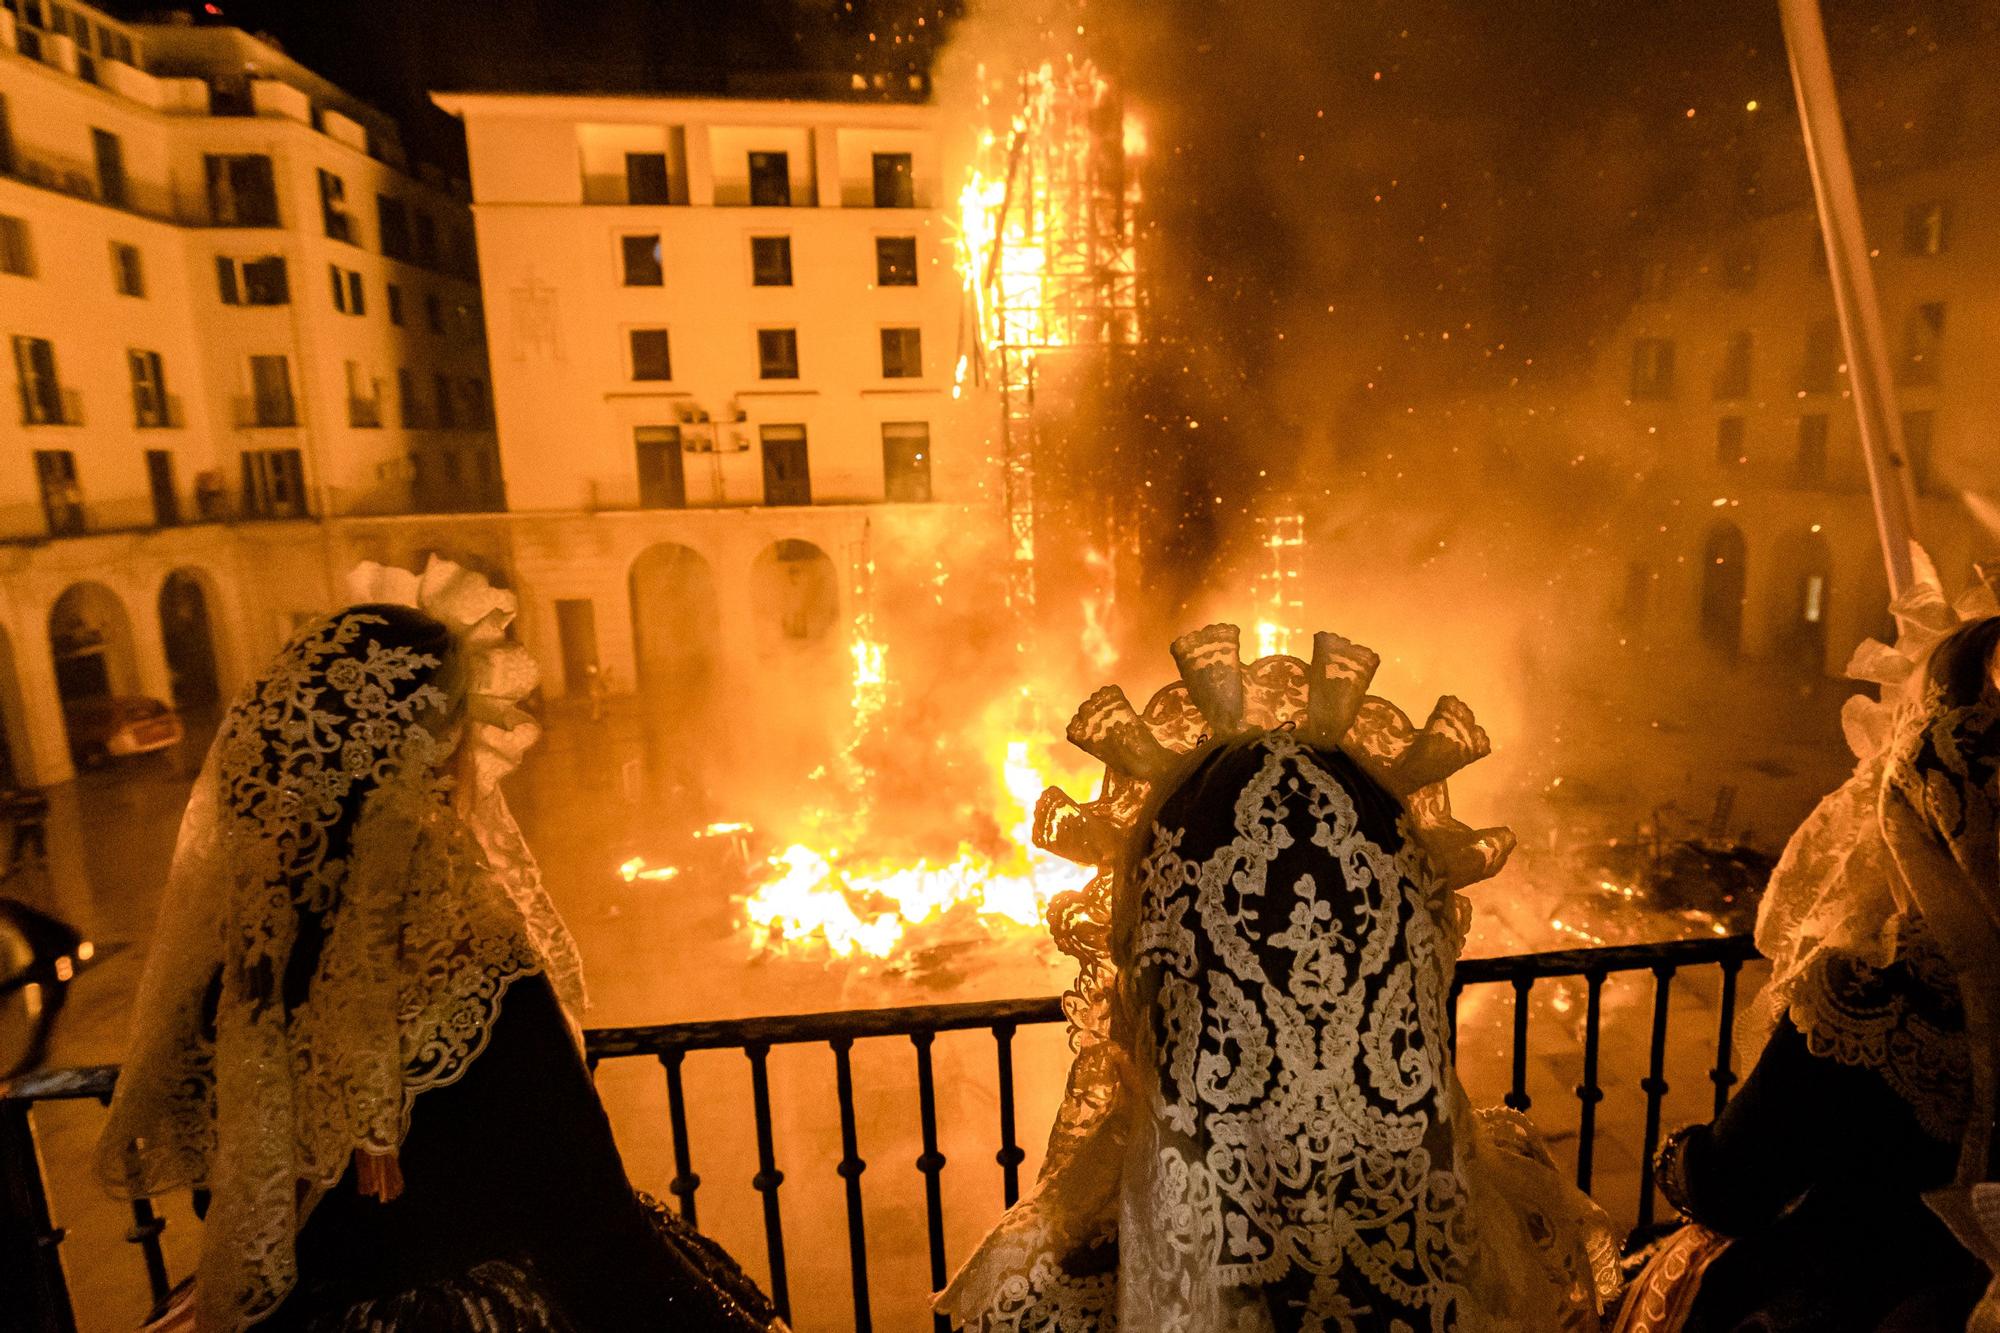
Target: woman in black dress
[1835,1192]
[355,1036]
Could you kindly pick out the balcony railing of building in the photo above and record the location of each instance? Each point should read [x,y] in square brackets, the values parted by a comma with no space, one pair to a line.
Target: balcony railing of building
[30,1242]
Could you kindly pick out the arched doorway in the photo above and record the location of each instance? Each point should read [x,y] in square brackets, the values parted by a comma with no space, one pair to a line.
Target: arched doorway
[1724,575]
[90,638]
[187,630]
[794,593]
[676,622]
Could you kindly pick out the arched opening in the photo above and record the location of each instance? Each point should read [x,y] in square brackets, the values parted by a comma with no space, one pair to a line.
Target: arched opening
[676,622]
[794,593]
[187,630]
[1807,605]
[1724,574]
[90,637]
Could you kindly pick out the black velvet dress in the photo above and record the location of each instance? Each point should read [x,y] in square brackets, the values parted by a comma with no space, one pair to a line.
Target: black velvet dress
[515,1216]
[1817,1170]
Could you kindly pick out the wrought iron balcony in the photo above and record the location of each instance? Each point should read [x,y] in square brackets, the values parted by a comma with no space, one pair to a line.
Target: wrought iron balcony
[31,1244]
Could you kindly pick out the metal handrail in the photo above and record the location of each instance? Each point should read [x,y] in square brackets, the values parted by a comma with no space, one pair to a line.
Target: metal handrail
[30,1243]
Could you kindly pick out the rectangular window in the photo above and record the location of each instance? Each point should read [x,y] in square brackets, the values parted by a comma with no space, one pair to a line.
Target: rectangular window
[62,497]
[364,398]
[274,483]
[787,477]
[356,305]
[771,261]
[1729,441]
[110,156]
[409,405]
[662,483]
[226,283]
[41,390]
[1809,465]
[1732,376]
[271,401]
[1819,369]
[770,180]
[646,178]
[17,256]
[395,305]
[392,225]
[778,354]
[242,190]
[1923,340]
[906,461]
[434,312]
[1918,428]
[7,163]
[447,409]
[1653,368]
[895,183]
[264,281]
[650,359]
[895,261]
[149,389]
[642,260]
[1927,228]
[902,354]
[333,207]
[339,287]
[160,481]
[128,272]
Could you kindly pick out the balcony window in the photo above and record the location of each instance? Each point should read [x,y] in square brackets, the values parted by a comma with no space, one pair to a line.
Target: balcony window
[787,473]
[1923,341]
[252,281]
[771,261]
[333,207]
[642,261]
[1653,368]
[41,390]
[1729,441]
[271,402]
[650,357]
[895,261]
[62,497]
[770,180]
[1809,464]
[160,482]
[17,255]
[895,182]
[906,461]
[662,480]
[1732,375]
[395,304]
[128,273]
[646,178]
[149,389]
[392,226]
[274,483]
[902,354]
[242,190]
[364,398]
[347,294]
[778,354]
[1927,228]
[110,156]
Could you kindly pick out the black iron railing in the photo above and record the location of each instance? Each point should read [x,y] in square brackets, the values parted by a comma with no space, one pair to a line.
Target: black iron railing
[30,1243]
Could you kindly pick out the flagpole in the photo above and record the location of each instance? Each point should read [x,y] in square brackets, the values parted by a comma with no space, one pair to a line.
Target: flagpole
[1868,367]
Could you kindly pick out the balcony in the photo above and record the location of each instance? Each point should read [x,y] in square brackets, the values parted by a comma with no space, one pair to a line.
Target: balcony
[262,412]
[61,407]
[30,1242]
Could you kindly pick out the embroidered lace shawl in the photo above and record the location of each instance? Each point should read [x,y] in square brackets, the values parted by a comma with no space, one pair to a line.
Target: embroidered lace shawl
[1262,1128]
[348,901]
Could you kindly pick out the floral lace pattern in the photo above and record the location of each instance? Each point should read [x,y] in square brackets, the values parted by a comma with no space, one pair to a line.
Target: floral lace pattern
[343,917]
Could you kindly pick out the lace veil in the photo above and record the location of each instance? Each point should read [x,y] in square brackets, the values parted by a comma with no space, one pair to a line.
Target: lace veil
[1882,918]
[348,902]
[1262,1105]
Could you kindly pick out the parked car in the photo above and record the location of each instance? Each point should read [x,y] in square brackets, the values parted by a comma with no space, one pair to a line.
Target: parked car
[109,727]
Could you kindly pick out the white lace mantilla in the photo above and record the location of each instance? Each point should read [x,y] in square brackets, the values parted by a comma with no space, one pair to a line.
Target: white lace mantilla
[348,903]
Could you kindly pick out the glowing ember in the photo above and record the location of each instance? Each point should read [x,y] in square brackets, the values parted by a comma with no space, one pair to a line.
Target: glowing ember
[636,869]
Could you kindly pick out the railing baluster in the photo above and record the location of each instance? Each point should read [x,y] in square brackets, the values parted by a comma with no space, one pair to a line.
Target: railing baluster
[685,1181]
[1588,1092]
[1655,1084]
[1010,1155]
[30,1242]
[1517,1094]
[1724,1074]
[145,1233]
[931,1163]
[851,1167]
[768,1176]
